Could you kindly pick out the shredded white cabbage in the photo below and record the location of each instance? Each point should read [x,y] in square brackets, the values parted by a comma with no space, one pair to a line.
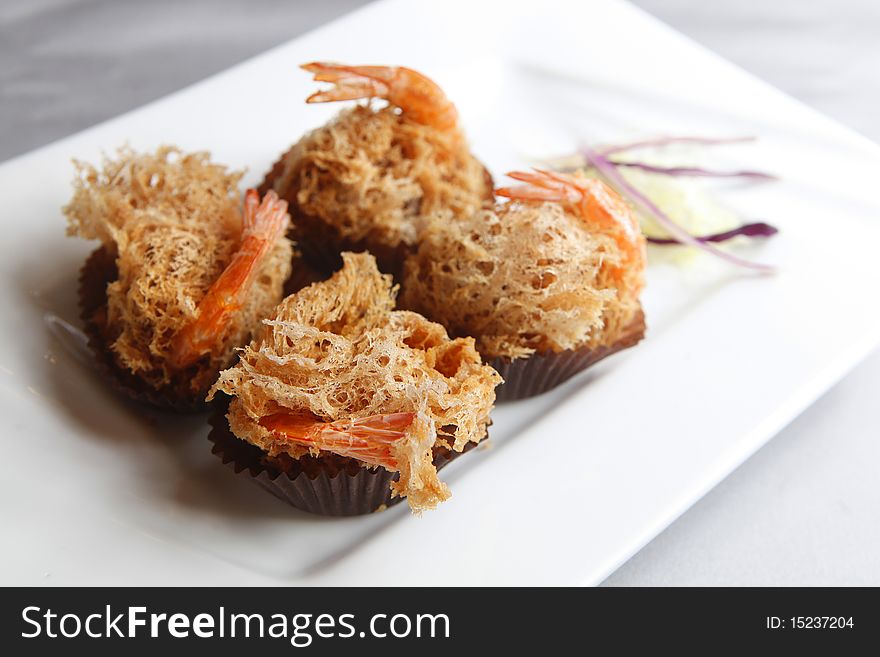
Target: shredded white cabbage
[686,200]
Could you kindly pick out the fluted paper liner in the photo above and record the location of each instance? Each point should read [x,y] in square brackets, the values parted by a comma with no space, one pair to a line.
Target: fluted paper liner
[328,485]
[543,371]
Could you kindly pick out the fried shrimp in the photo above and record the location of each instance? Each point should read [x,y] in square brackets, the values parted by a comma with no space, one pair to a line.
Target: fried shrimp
[371,177]
[263,225]
[418,97]
[369,439]
[559,267]
[600,207]
[337,371]
[190,273]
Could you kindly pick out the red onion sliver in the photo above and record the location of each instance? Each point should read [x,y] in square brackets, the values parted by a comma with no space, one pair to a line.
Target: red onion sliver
[609,171]
[695,171]
[757,229]
[665,141]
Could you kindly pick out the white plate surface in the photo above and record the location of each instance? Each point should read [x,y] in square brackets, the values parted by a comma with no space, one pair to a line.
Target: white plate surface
[97,491]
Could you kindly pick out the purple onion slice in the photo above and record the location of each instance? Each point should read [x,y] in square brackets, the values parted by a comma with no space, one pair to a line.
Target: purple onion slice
[694,172]
[609,170]
[666,141]
[756,229]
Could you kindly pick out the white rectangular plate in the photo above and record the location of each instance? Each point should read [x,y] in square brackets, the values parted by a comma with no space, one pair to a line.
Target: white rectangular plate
[95,490]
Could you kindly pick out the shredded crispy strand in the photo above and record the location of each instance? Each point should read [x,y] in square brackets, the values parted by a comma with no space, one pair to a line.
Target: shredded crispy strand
[523,277]
[338,352]
[174,222]
[374,175]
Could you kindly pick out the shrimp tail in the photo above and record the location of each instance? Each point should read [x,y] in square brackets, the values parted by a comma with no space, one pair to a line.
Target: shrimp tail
[417,96]
[263,223]
[592,200]
[267,220]
[370,439]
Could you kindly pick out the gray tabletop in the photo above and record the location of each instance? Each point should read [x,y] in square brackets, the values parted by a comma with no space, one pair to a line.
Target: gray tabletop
[804,509]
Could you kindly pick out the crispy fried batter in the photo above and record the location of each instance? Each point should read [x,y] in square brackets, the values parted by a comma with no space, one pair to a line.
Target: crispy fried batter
[173,220]
[371,176]
[338,350]
[523,278]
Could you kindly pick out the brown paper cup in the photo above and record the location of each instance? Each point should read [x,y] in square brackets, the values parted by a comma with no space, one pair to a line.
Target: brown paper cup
[543,371]
[302,274]
[328,485]
[318,242]
[322,246]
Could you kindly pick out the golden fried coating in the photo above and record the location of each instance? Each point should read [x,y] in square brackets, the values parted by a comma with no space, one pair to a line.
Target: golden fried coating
[522,278]
[173,221]
[338,351]
[367,179]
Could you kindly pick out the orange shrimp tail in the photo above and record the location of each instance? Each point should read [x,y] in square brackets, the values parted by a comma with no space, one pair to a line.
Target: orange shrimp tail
[597,205]
[591,199]
[262,225]
[370,439]
[350,82]
[418,97]
[265,221]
